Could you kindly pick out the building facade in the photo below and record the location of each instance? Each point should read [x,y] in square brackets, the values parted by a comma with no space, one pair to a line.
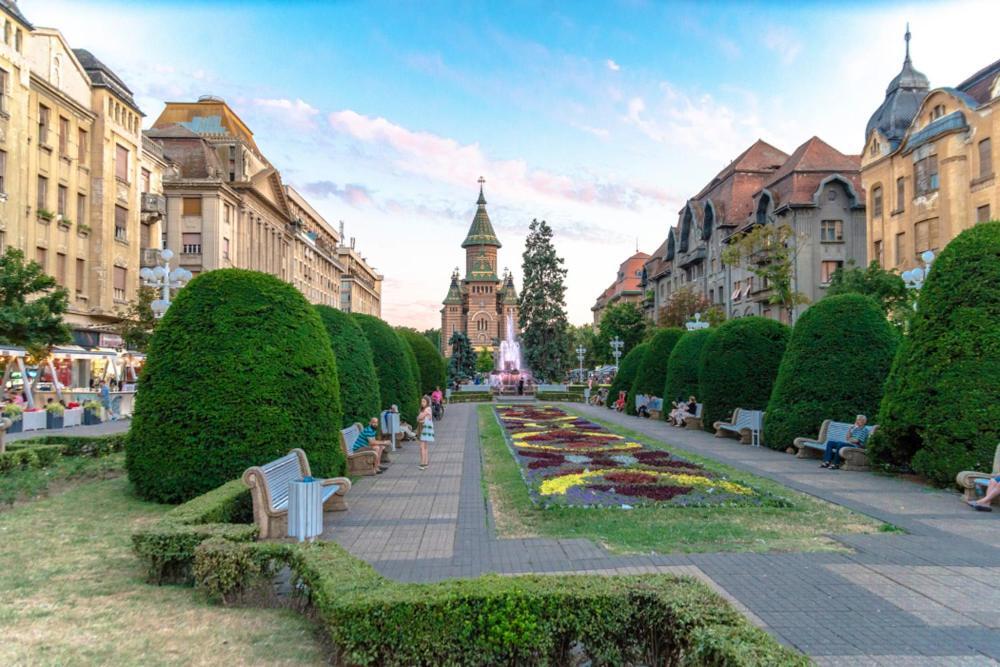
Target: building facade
[481,303]
[360,283]
[627,287]
[928,163]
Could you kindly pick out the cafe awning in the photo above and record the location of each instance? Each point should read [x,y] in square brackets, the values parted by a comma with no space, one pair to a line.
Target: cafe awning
[78,352]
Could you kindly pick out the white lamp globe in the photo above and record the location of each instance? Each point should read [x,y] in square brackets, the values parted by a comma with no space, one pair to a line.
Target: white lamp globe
[146,273]
[159,272]
[159,307]
[167,254]
[917,275]
[927,256]
[907,276]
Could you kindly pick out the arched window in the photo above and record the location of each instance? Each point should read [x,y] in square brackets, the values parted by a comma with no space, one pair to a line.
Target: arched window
[762,205]
[709,222]
[686,228]
[877,201]
[670,245]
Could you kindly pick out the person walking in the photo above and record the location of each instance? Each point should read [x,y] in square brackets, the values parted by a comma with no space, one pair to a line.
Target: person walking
[426,421]
[105,394]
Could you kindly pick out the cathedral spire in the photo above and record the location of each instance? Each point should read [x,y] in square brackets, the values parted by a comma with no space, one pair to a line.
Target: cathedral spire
[481,232]
[907,38]
[482,199]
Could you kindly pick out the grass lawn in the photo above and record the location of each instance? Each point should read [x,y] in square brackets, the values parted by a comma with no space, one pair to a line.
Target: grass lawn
[71,592]
[805,526]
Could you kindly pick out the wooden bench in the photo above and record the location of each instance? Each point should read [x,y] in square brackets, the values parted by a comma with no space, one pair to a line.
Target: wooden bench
[742,424]
[269,489]
[974,483]
[362,461]
[694,421]
[855,458]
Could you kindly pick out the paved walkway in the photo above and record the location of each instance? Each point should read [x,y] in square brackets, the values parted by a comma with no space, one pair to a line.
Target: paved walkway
[104,428]
[929,597]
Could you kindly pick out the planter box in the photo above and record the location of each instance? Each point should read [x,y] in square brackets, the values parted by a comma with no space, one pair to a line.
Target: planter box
[34,421]
[72,417]
[52,421]
[16,426]
[91,417]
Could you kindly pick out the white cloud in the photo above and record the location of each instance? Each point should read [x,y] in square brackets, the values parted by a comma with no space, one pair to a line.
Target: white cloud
[612,65]
[296,112]
[782,41]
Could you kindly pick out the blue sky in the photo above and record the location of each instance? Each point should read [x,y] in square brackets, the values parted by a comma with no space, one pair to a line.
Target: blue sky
[601,117]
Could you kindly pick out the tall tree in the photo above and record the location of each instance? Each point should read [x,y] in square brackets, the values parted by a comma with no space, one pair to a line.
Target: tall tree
[886,287]
[138,321]
[544,326]
[585,337]
[624,321]
[434,336]
[31,305]
[462,364]
[768,252]
[484,361]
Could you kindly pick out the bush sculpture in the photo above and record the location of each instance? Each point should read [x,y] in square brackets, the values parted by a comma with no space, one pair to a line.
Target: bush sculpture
[941,410]
[652,376]
[411,362]
[682,368]
[397,385]
[738,365]
[627,370]
[835,367]
[429,361]
[359,392]
[239,371]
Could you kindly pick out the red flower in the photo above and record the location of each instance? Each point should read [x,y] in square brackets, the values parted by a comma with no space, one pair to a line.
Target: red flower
[630,477]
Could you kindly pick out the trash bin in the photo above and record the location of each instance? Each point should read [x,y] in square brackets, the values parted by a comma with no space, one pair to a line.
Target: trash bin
[305,509]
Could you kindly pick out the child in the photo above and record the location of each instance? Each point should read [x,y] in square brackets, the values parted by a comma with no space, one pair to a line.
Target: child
[426,421]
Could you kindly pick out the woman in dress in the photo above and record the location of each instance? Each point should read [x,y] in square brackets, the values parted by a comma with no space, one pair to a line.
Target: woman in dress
[426,421]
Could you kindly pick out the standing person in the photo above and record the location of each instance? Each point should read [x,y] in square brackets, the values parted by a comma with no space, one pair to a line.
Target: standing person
[520,387]
[105,395]
[437,403]
[426,421]
[857,436]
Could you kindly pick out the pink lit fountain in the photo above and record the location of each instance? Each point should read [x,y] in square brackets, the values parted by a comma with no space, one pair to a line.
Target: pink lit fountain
[510,368]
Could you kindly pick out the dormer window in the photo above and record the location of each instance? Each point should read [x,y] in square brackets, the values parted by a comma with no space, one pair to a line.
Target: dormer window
[937,112]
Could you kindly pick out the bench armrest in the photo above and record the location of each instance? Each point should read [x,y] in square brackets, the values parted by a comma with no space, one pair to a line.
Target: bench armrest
[343,482]
[805,442]
[967,478]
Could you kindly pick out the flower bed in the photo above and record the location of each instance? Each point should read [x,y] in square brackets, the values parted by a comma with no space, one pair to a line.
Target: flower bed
[567,460]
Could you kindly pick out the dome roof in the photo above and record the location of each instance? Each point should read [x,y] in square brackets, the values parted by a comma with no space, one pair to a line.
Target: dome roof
[481,232]
[902,100]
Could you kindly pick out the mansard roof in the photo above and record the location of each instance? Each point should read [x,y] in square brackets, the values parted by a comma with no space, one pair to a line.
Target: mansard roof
[101,76]
[10,7]
[481,232]
[809,165]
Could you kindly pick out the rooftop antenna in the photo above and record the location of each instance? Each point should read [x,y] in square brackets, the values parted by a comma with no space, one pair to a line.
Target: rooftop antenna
[907,38]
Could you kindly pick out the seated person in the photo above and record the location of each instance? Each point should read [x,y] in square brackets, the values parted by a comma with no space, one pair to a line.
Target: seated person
[683,410]
[405,430]
[992,493]
[857,436]
[619,405]
[366,440]
[642,405]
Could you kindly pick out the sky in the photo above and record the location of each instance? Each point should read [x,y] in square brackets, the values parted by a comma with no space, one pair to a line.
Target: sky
[602,118]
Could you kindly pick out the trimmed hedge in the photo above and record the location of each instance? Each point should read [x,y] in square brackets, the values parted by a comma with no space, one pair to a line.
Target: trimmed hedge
[470,397]
[835,366]
[738,365]
[652,375]
[570,396]
[497,620]
[628,367]
[45,451]
[431,365]
[941,410]
[359,391]
[411,362]
[239,371]
[682,368]
[397,385]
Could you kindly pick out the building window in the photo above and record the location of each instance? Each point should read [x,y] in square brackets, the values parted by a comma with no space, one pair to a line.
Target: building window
[63,136]
[121,274]
[121,163]
[900,194]
[983,213]
[191,243]
[832,231]
[61,268]
[3,170]
[937,112]
[3,89]
[985,158]
[121,223]
[145,180]
[81,146]
[81,272]
[227,213]
[43,194]
[41,254]
[225,248]
[900,240]
[62,197]
[43,125]
[81,209]
[877,201]
[925,235]
[925,175]
[191,206]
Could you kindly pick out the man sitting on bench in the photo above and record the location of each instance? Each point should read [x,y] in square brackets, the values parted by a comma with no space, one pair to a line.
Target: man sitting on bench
[856,436]
[366,439]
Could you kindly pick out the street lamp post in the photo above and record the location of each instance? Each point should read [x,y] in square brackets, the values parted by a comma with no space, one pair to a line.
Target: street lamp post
[162,278]
[616,350]
[914,278]
[696,323]
[580,351]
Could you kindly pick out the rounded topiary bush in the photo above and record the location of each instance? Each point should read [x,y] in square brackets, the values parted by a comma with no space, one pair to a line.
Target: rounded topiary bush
[238,372]
[835,367]
[359,392]
[627,369]
[652,374]
[682,368]
[738,365]
[430,363]
[396,383]
[411,361]
[941,410]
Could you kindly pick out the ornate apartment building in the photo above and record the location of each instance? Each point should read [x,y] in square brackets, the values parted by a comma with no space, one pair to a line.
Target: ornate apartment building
[627,287]
[928,163]
[816,191]
[72,170]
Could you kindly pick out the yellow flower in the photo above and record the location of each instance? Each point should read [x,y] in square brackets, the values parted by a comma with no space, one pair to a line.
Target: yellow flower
[560,485]
[580,450]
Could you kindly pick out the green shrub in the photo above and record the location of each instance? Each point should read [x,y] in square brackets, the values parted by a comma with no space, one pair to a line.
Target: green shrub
[834,367]
[738,365]
[397,385]
[23,455]
[492,620]
[571,396]
[76,445]
[627,370]
[433,371]
[411,362]
[682,368]
[470,397]
[651,376]
[238,371]
[359,391]
[941,410]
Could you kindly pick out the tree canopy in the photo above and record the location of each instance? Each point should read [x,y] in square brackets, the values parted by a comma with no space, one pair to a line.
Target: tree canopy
[462,364]
[31,305]
[542,305]
[885,286]
[624,321]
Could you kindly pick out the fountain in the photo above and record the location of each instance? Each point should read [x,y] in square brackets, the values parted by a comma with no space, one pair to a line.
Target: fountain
[510,370]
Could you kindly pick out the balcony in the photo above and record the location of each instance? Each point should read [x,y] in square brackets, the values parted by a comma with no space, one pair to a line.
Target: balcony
[152,206]
[696,256]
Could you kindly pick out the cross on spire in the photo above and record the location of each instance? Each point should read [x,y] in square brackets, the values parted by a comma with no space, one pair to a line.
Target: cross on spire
[482,199]
[907,38]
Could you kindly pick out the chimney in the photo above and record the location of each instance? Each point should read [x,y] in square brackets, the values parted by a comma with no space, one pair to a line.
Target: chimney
[341,231]
[352,243]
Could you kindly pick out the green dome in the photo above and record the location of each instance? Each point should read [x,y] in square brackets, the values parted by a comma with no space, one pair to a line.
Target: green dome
[481,232]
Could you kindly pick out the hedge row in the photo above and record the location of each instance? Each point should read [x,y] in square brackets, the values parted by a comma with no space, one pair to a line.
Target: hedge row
[651,377]
[359,390]
[430,364]
[397,383]
[628,367]
[682,368]
[470,397]
[570,396]
[45,451]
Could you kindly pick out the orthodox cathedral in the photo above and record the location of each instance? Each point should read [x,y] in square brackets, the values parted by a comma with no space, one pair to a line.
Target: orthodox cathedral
[479,304]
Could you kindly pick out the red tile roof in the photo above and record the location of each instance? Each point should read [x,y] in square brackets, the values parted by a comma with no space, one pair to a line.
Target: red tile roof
[978,85]
[797,180]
